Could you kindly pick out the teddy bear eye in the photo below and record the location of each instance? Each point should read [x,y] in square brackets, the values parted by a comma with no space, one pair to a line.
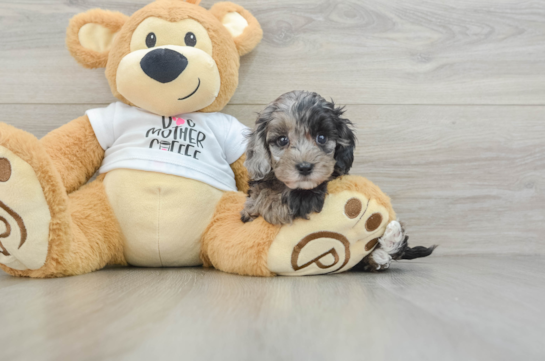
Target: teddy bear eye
[151,40]
[190,39]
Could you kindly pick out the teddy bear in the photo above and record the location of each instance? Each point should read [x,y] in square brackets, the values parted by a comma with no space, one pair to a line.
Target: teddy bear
[171,178]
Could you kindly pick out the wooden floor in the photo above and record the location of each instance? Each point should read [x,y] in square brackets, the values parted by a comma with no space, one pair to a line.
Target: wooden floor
[441,308]
[449,101]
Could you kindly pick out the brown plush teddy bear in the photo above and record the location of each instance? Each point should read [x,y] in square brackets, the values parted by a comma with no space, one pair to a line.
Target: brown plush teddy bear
[170,164]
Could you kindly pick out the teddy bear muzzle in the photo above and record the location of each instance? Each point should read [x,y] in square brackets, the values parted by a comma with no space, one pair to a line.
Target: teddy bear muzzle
[169,80]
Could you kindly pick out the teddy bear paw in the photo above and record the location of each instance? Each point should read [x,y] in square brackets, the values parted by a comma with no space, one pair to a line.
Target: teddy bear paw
[340,236]
[24,214]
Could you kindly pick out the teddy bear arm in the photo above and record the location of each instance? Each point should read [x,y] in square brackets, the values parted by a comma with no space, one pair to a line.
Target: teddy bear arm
[241,174]
[235,247]
[75,152]
[354,217]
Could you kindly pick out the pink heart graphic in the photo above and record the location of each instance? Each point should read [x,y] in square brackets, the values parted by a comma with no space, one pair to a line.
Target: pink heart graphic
[179,121]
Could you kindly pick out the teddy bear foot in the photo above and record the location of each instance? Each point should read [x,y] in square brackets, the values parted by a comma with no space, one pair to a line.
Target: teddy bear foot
[24,215]
[336,239]
[24,211]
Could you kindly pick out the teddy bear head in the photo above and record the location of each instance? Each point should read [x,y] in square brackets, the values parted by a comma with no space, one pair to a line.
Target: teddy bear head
[170,57]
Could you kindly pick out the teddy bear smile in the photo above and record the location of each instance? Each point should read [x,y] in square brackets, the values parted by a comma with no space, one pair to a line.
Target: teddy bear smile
[193,92]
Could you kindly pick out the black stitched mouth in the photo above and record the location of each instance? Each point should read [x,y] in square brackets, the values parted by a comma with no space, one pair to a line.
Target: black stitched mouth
[194,91]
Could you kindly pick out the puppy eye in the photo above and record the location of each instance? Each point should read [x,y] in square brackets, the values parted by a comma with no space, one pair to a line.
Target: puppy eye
[151,40]
[282,141]
[190,39]
[321,139]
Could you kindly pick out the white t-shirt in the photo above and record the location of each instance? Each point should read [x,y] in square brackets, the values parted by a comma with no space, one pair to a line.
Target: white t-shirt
[199,146]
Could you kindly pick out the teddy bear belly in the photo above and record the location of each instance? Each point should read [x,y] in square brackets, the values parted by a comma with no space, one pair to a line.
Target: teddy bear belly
[162,216]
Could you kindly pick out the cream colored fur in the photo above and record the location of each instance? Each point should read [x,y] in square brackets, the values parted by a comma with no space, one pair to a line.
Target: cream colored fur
[162,216]
[235,23]
[331,219]
[96,37]
[26,222]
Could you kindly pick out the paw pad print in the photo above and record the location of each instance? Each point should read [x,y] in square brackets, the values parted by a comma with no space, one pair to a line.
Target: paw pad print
[5,170]
[321,260]
[24,214]
[334,240]
[5,175]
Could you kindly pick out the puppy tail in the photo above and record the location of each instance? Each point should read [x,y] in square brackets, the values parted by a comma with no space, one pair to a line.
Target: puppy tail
[417,252]
[406,252]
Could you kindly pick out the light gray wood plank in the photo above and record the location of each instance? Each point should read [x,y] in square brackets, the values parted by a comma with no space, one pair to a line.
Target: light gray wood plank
[372,52]
[469,178]
[440,308]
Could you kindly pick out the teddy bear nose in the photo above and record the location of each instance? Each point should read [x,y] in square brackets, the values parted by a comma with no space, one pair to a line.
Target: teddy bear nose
[163,65]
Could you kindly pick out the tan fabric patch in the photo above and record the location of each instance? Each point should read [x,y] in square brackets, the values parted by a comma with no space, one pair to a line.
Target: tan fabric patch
[5,170]
[373,222]
[24,208]
[311,237]
[95,37]
[235,23]
[353,208]
[162,216]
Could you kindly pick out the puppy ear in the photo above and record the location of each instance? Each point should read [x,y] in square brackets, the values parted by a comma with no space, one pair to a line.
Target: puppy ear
[90,35]
[243,26]
[258,160]
[346,143]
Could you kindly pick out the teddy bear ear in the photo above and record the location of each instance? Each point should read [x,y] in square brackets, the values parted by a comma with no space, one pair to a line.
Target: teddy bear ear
[90,35]
[242,25]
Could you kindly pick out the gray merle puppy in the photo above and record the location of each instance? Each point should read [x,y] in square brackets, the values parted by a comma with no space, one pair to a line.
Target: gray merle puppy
[300,142]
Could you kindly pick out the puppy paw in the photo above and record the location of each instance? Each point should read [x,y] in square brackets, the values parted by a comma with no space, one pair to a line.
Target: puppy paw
[278,218]
[246,217]
[394,240]
[380,260]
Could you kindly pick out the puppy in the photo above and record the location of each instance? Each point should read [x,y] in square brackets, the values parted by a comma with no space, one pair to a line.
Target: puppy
[392,246]
[300,142]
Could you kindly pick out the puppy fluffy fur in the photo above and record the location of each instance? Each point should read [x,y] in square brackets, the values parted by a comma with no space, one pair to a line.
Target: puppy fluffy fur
[300,142]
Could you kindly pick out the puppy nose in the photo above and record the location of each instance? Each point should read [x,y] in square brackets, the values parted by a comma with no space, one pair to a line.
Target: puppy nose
[163,65]
[305,168]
